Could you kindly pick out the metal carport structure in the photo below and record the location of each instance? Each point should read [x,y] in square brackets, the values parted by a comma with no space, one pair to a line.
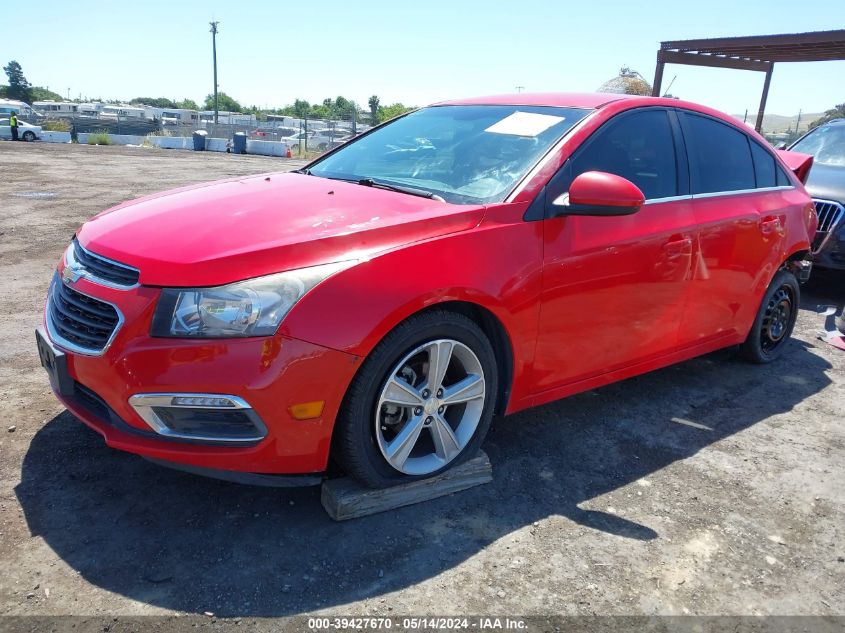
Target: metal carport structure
[757,52]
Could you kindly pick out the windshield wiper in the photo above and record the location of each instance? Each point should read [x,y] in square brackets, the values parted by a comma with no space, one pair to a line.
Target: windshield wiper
[422,193]
[305,171]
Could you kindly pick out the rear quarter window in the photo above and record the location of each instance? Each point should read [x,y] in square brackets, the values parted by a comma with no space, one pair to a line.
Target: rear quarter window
[765,169]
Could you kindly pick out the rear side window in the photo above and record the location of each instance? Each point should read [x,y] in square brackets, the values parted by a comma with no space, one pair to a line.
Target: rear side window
[720,156]
[637,146]
[764,166]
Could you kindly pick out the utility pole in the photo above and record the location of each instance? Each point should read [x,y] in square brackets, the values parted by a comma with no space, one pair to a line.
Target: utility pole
[214,53]
[520,88]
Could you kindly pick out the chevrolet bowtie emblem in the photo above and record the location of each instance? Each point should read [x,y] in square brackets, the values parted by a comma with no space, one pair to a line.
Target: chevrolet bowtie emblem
[70,275]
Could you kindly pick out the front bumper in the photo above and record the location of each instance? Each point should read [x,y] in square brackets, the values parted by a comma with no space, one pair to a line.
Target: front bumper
[271,374]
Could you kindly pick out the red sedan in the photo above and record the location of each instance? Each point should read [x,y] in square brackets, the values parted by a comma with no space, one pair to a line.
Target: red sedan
[378,307]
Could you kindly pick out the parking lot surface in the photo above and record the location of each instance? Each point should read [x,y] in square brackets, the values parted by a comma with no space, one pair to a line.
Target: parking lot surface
[710,487]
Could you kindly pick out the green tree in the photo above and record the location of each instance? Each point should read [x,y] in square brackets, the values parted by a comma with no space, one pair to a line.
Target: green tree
[301,108]
[373,102]
[385,113]
[187,104]
[836,112]
[323,110]
[156,102]
[224,101]
[19,88]
[43,94]
[342,106]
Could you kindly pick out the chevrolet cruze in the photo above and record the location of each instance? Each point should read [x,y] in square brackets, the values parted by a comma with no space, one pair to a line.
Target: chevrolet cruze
[377,308]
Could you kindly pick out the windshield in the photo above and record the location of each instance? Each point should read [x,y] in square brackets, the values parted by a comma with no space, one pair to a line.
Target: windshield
[826,144]
[464,154]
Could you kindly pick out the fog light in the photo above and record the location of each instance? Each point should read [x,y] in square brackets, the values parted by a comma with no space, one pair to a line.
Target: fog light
[202,401]
[197,417]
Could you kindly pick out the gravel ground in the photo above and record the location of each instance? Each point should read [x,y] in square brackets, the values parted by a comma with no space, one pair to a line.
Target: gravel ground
[711,487]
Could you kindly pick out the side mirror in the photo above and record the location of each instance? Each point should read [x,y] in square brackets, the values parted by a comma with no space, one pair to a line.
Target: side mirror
[599,193]
[781,146]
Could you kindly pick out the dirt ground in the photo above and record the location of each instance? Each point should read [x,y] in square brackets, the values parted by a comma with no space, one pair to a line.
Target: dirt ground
[711,487]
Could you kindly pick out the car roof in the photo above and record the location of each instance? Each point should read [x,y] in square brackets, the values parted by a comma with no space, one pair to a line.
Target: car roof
[589,100]
[559,99]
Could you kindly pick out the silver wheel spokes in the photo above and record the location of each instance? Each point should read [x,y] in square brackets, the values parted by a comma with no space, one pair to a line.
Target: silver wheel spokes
[430,407]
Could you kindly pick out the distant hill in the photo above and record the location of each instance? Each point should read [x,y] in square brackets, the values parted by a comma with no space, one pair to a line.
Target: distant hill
[775,123]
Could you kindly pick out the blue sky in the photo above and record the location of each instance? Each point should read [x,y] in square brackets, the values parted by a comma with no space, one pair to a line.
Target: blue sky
[273,52]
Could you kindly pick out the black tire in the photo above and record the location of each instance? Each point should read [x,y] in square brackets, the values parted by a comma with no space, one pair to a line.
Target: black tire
[775,320]
[354,445]
[29,136]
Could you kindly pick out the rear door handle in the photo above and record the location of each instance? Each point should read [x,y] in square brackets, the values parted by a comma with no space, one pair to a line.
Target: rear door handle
[769,225]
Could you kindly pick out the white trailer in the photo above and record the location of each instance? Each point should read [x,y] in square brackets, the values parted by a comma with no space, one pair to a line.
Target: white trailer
[120,112]
[179,116]
[91,110]
[23,109]
[56,108]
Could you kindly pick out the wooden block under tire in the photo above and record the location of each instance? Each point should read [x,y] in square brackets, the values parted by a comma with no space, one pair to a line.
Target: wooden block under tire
[345,498]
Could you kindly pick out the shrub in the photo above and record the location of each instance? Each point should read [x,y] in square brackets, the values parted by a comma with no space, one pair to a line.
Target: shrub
[56,125]
[99,138]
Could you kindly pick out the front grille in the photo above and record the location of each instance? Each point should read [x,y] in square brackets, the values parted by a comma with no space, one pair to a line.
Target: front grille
[78,321]
[830,216]
[105,269]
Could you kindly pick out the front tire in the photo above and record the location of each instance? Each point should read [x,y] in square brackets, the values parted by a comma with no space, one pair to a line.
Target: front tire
[421,403]
[775,320]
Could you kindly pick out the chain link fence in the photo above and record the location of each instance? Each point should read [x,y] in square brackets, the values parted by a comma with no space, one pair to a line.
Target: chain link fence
[304,136]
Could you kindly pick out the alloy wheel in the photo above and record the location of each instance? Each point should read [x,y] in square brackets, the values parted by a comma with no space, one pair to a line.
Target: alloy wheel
[430,406]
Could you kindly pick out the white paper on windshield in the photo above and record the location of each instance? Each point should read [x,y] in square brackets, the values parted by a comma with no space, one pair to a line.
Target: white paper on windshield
[524,124]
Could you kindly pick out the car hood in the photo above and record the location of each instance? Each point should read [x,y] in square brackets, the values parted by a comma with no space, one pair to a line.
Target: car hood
[240,228]
[827,182]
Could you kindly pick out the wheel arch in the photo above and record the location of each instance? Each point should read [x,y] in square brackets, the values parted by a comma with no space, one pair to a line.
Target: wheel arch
[496,333]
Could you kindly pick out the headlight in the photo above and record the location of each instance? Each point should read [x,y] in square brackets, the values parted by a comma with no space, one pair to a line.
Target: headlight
[254,307]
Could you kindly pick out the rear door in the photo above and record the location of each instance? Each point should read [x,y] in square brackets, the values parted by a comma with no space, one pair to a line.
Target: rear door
[614,287]
[740,211]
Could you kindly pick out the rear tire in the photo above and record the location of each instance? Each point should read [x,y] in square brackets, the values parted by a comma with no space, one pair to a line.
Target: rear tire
[29,136]
[399,399]
[775,320]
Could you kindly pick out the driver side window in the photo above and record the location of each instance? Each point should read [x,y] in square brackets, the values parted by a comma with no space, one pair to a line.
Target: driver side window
[638,146]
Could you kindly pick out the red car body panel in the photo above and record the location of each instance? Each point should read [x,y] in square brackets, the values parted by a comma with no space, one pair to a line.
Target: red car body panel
[582,301]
